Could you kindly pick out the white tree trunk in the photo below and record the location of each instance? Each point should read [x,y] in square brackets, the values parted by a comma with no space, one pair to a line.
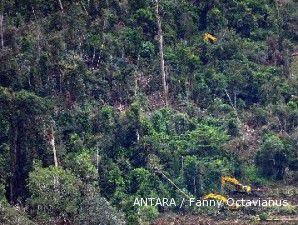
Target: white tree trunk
[1,30]
[234,105]
[97,159]
[52,143]
[61,5]
[161,53]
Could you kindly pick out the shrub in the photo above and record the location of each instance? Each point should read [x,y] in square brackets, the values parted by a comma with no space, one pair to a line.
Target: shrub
[55,193]
[252,175]
[148,213]
[273,157]
[95,210]
[14,216]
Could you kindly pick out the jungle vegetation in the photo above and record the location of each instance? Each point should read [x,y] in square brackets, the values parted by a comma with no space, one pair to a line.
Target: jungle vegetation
[105,101]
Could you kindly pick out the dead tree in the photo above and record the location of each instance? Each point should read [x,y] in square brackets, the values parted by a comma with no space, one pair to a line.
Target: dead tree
[161,53]
[61,5]
[1,30]
[51,140]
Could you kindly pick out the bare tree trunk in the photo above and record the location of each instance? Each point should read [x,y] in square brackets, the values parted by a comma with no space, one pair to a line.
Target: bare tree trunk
[52,143]
[97,159]
[234,105]
[161,53]
[1,30]
[61,5]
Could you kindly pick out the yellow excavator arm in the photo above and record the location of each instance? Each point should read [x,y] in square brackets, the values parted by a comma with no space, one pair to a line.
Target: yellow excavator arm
[216,197]
[230,180]
[209,37]
[233,181]
[222,199]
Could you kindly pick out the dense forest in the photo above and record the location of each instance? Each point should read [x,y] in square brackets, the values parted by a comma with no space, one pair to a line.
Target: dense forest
[106,101]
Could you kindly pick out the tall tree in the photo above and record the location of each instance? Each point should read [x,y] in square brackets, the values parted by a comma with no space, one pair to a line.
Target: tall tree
[161,53]
[53,145]
[61,5]
[1,29]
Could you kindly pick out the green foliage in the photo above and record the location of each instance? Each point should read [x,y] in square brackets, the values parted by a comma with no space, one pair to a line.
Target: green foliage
[213,169]
[83,166]
[93,71]
[2,195]
[206,140]
[95,209]
[141,182]
[13,216]
[233,127]
[273,157]
[115,180]
[252,175]
[55,193]
[193,178]
[259,117]
[263,216]
[148,213]
[146,20]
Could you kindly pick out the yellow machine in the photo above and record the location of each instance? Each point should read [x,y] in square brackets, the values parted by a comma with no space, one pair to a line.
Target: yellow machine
[222,199]
[209,37]
[216,197]
[238,186]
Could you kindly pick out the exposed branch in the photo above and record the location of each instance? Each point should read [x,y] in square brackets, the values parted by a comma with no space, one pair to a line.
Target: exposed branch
[234,106]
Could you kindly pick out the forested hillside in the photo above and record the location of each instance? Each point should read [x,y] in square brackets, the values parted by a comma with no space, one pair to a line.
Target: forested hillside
[103,102]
